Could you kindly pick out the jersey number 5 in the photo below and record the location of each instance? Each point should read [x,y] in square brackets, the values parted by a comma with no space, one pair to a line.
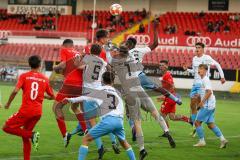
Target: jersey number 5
[112,106]
[34,90]
[96,71]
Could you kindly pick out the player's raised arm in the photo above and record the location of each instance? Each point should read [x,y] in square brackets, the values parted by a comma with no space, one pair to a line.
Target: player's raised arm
[219,68]
[60,67]
[155,36]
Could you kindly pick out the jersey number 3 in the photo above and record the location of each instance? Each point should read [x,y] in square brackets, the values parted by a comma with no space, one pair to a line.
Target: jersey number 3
[113,105]
[34,90]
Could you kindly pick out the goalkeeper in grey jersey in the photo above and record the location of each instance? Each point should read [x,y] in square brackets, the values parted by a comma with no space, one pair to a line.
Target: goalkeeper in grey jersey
[136,97]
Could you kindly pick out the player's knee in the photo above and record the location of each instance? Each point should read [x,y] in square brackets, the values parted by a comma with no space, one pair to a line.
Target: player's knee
[197,123]
[211,126]
[172,117]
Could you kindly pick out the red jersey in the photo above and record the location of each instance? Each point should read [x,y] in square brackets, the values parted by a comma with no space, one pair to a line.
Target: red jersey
[102,54]
[33,85]
[72,75]
[167,81]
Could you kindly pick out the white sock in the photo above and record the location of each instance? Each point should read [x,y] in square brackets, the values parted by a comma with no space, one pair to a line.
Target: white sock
[202,140]
[222,138]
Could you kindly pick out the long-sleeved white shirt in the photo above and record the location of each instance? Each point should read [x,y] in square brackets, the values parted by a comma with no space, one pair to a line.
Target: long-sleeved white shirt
[204,59]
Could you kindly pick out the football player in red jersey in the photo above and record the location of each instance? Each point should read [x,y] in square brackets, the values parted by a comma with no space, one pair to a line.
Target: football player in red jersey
[34,85]
[168,107]
[72,87]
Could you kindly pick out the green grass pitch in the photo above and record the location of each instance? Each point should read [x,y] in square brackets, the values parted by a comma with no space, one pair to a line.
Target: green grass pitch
[51,144]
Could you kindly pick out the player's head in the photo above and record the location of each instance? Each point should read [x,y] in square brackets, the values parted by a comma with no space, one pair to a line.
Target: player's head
[131,43]
[68,43]
[102,36]
[199,48]
[163,65]
[96,49]
[108,78]
[34,62]
[123,50]
[202,69]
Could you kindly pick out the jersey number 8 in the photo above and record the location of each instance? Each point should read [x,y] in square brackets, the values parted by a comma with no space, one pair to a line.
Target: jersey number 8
[34,90]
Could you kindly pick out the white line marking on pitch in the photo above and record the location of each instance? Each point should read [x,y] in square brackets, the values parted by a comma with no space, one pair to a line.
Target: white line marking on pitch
[68,153]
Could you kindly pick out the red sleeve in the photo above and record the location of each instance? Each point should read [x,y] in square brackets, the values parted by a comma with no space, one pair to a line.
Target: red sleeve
[87,50]
[20,82]
[49,90]
[167,81]
[63,55]
[103,56]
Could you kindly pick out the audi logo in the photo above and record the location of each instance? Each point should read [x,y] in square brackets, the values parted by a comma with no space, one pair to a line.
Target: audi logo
[142,39]
[191,41]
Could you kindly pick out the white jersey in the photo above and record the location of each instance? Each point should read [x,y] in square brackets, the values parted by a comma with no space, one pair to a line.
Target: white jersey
[137,54]
[206,85]
[204,59]
[95,67]
[108,100]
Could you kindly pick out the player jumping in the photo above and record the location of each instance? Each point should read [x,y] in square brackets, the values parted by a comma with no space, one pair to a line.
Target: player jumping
[33,84]
[200,58]
[112,119]
[207,109]
[72,86]
[136,97]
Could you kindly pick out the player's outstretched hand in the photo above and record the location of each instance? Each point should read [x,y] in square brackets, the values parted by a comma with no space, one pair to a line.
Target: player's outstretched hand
[160,98]
[66,101]
[184,67]
[223,80]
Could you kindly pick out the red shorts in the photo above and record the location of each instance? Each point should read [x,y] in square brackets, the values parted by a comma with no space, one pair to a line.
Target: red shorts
[68,91]
[168,106]
[18,120]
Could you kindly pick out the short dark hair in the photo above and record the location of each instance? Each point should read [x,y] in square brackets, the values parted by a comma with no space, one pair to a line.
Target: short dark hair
[67,41]
[102,33]
[34,61]
[164,61]
[132,40]
[200,44]
[108,77]
[123,49]
[96,49]
[204,66]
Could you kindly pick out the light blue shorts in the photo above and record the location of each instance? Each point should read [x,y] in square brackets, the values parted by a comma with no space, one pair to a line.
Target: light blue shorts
[196,89]
[90,109]
[108,124]
[146,82]
[205,115]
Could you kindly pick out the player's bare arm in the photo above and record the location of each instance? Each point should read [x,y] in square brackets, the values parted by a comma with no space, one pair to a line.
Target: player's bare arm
[60,67]
[205,98]
[155,36]
[11,98]
[48,97]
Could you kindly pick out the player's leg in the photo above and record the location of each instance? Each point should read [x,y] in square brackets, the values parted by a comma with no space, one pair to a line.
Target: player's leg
[164,115]
[215,129]
[149,106]
[57,109]
[202,116]
[29,125]
[76,108]
[88,107]
[121,137]
[178,117]
[131,124]
[13,126]
[135,115]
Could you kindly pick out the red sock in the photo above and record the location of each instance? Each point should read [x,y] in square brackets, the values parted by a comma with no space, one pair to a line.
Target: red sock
[26,148]
[18,132]
[185,119]
[81,121]
[62,125]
